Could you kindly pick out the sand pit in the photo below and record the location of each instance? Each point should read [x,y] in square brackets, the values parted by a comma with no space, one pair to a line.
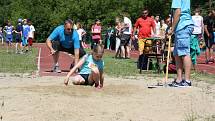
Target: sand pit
[47,99]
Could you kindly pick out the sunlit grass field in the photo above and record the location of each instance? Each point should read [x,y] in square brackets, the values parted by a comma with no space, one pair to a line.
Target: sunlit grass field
[10,62]
[26,63]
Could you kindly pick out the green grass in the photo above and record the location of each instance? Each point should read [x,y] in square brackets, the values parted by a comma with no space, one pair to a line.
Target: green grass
[119,67]
[123,67]
[17,63]
[26,63]
[128,67]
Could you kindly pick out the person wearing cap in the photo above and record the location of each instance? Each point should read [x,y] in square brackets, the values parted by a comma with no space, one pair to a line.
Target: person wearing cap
[96,31]
[9,29]
[25,33]
[18,32]
[64,38]
[31,34]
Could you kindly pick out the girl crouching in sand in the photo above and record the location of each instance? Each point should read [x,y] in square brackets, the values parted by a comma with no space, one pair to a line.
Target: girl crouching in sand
[91,69]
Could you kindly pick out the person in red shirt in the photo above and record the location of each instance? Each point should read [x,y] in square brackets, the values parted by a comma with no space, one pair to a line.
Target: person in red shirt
[144,24]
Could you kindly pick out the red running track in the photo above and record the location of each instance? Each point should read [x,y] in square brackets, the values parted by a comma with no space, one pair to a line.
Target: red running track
[46,62]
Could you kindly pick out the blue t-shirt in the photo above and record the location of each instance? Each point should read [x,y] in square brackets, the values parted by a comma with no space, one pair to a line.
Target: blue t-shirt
[185,17]
[26,30]
[67,41]
[85,69]
[18,29]
[9,31]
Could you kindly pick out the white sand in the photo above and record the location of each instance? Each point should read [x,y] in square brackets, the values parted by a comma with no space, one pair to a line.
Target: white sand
[47,99]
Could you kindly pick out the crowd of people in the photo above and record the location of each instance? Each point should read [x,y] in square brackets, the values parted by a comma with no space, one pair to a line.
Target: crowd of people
[23,32]
[188,31]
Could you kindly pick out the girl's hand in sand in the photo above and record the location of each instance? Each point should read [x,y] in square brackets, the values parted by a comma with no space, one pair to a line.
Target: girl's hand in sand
[66,81]
[99,87]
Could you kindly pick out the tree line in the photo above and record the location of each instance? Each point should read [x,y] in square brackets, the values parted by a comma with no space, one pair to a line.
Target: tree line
[47,14]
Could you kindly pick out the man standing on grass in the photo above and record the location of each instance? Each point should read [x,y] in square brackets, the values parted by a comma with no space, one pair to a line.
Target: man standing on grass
[209,23]
[64,38]
[182,27]
[144,24]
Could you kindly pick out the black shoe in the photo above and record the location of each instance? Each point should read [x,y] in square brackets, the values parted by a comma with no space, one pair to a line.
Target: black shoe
[175,84]
[56,69]
[185,83]
[211,60]
[71,66]
[206,61]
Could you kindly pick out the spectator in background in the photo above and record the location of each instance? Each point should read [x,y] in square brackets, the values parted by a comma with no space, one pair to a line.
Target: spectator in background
[18,32]
[118,31]
[8,29]
[144,24]
[1,36]
[31,34]
[81,34]
[157,26]
[126,36]
[209,24]
[109,34]
[196,37]
[25,35]
[96,31]
[163,29]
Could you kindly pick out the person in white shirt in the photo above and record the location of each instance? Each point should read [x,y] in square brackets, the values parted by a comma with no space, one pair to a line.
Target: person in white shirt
[31,34]
[198,23]
[157,26]
[196,36]
[126,36]
[81,34]
[163,29]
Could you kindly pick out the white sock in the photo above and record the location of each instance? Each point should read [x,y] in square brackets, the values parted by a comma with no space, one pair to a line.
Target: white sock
[188,81]
[57,64]
[16,47]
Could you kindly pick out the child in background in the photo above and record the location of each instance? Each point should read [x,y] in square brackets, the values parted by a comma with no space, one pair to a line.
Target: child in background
[81,33]
[31,34]
[9,35]
[18,32]
[109,34]
[118,32]
[1,36]
[96,30]
[25,34]
[91,69]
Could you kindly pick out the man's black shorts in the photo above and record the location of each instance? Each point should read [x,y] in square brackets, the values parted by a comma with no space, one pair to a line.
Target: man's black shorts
[125,39]
[209,41]
[57,46]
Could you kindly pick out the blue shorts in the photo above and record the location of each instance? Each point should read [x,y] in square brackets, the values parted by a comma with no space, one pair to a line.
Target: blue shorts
[214,37]
[182,41]
[24,41]
[9,40]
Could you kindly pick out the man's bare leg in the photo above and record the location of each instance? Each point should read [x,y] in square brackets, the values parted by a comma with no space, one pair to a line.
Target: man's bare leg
[179,66]
[187,66]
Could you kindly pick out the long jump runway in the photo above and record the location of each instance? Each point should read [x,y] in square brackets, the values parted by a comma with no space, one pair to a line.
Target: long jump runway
[46,62]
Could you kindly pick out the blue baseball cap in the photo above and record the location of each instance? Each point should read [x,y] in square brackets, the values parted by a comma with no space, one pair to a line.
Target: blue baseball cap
[20,20]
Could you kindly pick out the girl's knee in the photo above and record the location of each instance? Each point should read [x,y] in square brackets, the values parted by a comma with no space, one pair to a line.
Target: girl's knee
[78,80]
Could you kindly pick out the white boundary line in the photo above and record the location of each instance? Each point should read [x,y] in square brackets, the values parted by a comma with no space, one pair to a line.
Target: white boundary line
[38,61]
